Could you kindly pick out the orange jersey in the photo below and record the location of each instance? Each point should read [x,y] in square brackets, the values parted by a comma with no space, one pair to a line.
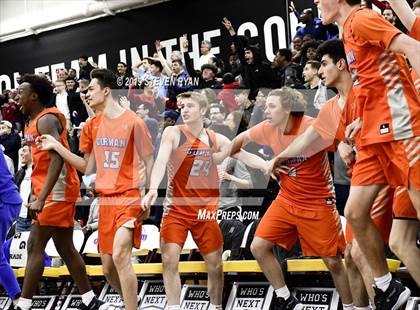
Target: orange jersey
[416,81]
[193,181]
[331,121]
[67,187]
[415,30]
[113,143]
[415,33]
[387,101]
[309,179]
[403,207]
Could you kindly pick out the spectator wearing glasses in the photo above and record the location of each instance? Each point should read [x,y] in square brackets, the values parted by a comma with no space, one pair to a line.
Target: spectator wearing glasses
[217,117]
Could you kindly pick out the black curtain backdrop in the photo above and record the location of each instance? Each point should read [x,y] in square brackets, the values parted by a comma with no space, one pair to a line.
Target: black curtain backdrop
[143,26]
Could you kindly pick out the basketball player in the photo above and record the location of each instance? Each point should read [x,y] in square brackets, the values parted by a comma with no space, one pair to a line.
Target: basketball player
[390,125]
[192,196]
[327,131]
[305,206]
[113,140]
[55,188]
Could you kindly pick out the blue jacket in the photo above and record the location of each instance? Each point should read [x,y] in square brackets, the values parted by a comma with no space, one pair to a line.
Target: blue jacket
[178,85]
[319,31]
[8,190]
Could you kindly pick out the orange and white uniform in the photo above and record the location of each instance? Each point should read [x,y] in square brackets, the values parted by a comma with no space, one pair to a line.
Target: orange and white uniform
[415,33]
[331,124]
[116,143]
[305,205]
[415,30]
[387,101]
[403,208]
[192,195]
[59,206]
[381,214]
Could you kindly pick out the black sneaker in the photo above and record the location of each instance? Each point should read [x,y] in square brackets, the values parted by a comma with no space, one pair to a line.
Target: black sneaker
[394,297]
[418,238]
[290,303]
[95,304]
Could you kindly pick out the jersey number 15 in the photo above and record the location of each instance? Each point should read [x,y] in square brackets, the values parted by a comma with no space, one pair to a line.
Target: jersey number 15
[111,159]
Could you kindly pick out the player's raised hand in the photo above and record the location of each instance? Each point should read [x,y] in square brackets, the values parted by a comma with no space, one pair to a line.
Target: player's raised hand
[352,129]
[46,143]
[149,199]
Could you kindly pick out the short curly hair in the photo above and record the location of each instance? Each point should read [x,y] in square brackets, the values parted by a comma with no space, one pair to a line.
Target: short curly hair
[39,85]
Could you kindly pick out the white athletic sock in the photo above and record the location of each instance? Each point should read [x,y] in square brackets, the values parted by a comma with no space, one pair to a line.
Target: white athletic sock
[172,307]
[283,292]
[24,303]
[383,282]
[215,307]
[87,297]
[363,308]
[348,306]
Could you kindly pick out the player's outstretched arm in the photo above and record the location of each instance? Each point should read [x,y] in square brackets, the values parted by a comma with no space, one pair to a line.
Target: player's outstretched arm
[231,148]
[308,143]
[404,12]
[404,44]
[159,167]
[49,142]
[249,159]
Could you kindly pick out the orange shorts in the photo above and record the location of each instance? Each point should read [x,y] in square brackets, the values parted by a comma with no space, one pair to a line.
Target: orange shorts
[57,214]
[206,234]
[319,230]
[403,207]
[116,211]
[381,214]
[396,163]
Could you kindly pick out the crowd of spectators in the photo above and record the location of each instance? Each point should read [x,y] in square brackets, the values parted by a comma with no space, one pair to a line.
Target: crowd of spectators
[236,86]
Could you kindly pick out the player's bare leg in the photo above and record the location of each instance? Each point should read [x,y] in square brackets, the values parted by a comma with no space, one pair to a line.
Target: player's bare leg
[63,240]
[37,242]
[263,253]
[415,199]
[262,250]
[339,275]
[357,212]
[214,265]
[402,242]
[357,285]
[388,291]
[361,263]
[171,278]
[123,245]
[111,273]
